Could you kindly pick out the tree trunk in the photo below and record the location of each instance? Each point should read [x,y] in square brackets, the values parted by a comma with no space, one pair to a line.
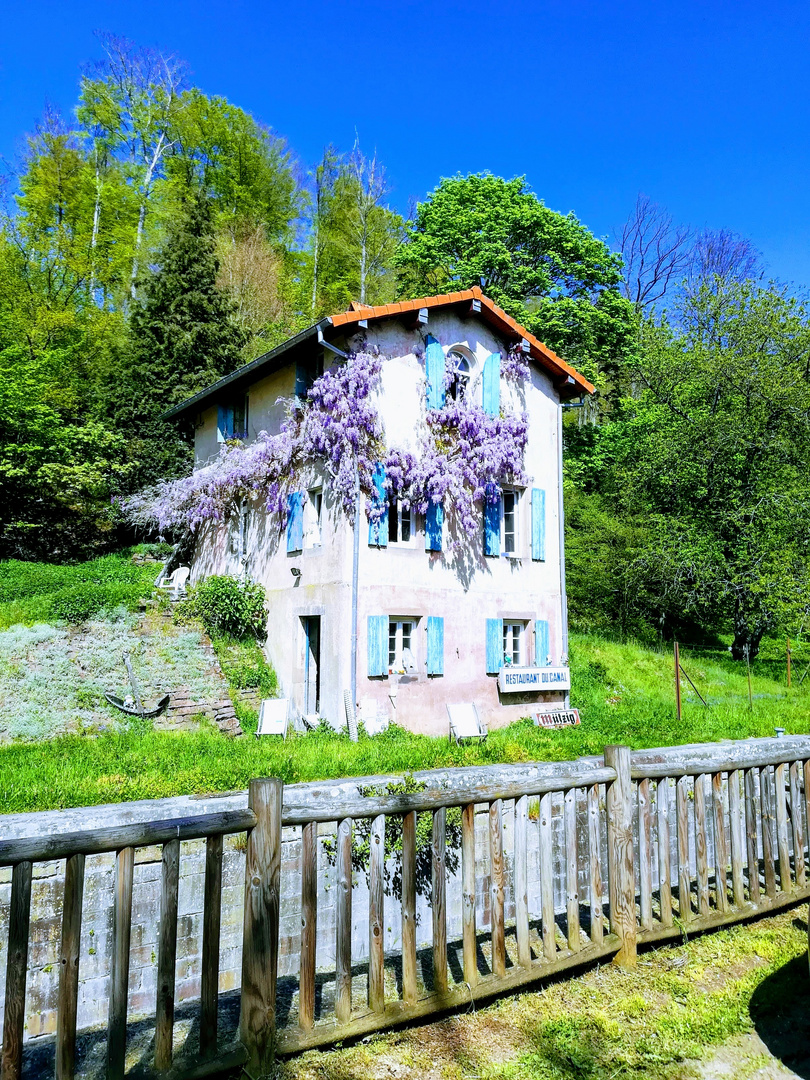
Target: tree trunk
[747,636]
[94,238]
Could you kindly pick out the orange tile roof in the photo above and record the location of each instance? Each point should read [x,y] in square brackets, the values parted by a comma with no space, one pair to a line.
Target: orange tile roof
[494,315]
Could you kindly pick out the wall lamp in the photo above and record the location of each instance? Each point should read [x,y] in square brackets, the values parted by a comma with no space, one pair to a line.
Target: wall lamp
[296,573]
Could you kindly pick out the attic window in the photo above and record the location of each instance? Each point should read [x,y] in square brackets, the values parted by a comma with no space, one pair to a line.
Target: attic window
[459,365]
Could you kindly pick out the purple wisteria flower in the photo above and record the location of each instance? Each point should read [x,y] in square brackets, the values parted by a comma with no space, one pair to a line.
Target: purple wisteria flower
[463,458]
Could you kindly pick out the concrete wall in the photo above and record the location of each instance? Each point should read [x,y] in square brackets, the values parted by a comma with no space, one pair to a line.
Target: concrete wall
[459,584]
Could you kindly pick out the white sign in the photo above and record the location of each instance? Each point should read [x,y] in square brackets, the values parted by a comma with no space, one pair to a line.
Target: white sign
[561,718]
[514,680]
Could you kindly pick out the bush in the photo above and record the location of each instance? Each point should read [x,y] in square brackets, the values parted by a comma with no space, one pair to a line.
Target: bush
[227,606]
[77,603]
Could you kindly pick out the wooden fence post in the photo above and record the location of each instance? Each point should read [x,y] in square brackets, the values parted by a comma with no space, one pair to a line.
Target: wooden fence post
[257,1022]
[621,876]
[16,971]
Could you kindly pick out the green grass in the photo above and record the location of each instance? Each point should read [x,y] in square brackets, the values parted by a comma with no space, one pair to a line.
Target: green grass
[656,1022]
[624,692]
[38,592]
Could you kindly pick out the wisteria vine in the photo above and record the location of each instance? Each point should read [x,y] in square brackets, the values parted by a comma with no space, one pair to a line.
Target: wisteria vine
[463,457]
[337,428]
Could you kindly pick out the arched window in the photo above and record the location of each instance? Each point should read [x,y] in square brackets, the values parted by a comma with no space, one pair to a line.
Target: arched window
[460,367]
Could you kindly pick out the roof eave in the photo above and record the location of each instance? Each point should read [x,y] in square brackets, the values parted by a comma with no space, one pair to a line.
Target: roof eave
[198,400]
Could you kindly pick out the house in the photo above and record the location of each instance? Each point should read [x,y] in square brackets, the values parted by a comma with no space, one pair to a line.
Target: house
[406,611]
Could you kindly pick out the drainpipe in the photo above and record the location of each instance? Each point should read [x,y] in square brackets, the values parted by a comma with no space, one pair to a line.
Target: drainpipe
[355,574]
[561,520]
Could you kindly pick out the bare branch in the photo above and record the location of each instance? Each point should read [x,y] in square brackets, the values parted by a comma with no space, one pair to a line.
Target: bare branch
[656,252]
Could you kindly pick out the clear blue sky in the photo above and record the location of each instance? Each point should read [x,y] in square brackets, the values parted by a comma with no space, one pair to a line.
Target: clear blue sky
[702,106]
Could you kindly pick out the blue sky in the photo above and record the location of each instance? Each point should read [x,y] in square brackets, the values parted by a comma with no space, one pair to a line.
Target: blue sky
[704,107]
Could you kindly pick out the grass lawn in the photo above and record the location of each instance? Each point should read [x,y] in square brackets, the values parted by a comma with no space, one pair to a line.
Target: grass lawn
[624,692]
[745,990]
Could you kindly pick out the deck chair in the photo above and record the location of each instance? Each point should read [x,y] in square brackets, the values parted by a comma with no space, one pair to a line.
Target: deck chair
[175,583]
[465,723]
[273,717]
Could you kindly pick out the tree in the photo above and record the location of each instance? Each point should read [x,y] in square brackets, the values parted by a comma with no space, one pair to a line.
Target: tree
[725,255]
[545,269]
[246,171]
[659,254]
[656,252]
[130,102]
[59,466]
[355,235]
[713,454]
[183,337]
[260,279]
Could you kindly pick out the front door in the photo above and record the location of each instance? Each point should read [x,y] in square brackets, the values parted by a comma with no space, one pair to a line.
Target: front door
[312,663]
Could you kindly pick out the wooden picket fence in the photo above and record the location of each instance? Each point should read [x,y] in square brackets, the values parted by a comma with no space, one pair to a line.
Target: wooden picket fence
[734,814]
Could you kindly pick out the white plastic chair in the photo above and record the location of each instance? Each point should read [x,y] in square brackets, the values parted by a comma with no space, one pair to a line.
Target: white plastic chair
[273,717]
[465,723]
[175,583]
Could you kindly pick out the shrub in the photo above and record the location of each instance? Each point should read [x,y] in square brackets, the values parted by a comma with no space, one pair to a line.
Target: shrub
[76,603]
[227,606]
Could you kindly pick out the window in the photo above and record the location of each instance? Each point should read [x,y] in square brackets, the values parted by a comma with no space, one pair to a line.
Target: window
[401,642]
[512,642]
[400,523]
[510,520]
[459,367]
[306,372]
[232,419]
[313,509]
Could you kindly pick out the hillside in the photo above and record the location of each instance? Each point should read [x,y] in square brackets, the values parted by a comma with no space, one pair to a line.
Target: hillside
[65,746]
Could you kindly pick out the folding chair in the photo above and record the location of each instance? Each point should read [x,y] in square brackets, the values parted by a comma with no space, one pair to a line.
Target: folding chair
[465,723]
[273,717]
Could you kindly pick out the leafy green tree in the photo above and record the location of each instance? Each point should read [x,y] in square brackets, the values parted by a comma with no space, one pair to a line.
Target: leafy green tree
[712,454]
[182,338]
[354,233]
[247,172]
[545,269]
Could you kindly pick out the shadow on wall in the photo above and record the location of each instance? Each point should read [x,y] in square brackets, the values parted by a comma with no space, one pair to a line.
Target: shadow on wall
[219,546]
[91,1045]
[780,1010]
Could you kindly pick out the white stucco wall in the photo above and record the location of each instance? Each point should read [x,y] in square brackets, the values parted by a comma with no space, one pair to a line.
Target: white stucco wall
[464,589]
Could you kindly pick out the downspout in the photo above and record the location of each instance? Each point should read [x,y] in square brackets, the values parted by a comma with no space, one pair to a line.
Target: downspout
[355,575]
[561,521]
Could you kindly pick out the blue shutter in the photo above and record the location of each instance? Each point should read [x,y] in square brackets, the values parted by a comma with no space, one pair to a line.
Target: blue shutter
[494,646]
[541,642]
[434,372]
[378,530]
[435,645]
[434,519]
[492,384]
[301,385]
[538,524]
[295,521]
[492,527]
[377,645]
[224,423]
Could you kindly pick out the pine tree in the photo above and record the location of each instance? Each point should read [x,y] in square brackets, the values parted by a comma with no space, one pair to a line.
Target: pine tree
[182,338]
